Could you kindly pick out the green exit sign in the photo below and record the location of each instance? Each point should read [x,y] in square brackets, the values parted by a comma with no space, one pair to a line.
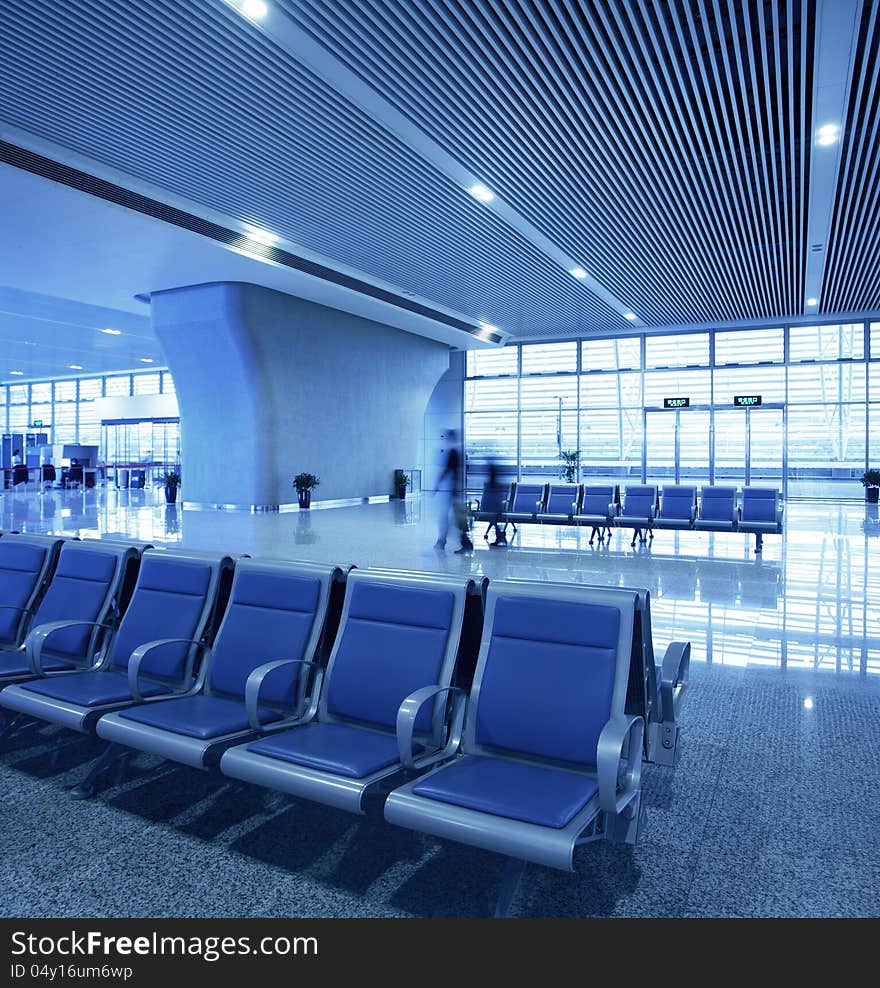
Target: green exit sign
[747,401]
[38,424]
[676,402]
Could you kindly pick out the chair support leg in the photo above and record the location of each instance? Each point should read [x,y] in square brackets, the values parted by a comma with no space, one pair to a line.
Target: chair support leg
[105,761]
[9,724]
[759,541]
[636,533]
[514,870]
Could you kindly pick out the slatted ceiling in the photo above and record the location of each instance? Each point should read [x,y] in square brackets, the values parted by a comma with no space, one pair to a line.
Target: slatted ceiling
[191,98]
[679,181]
[852,273]
[665,146]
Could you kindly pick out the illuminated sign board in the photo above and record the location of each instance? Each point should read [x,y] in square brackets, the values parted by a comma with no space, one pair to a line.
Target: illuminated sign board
[747,401]
[676,402]
[38,424]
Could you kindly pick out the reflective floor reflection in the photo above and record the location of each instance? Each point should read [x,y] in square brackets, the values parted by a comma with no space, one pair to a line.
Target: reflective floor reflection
[811,601]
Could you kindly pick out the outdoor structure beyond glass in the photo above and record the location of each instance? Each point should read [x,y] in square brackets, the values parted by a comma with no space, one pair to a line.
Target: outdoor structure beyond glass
[797,407]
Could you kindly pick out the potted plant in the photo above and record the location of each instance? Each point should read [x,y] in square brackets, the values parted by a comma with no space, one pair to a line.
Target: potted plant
[401,482]
[304,483]
[571,459]
[172,482]
[871,483]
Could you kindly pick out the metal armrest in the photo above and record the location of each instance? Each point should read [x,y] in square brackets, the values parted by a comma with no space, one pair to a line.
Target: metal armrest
[255,682]
[676,669]
[36,639]
[622,737]
[406,722]
[138,655]
[539,505]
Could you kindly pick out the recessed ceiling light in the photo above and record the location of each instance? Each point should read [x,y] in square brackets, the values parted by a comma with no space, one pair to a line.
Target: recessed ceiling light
[112,332]
[17,373]
[75,366]
[481,192]
[808,703]
[487,327]
[812,301]
[146,360]
[827,134]
[577,272]
[261,236]
[630,316]
[255,9]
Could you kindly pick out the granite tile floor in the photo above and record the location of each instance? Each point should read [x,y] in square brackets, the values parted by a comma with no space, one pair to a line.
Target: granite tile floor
[773,809]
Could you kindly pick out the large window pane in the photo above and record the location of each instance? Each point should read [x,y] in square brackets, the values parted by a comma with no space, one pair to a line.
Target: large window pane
[118,386]
[500,361]
[826,382]
[546,392]
[826,342]
[611,444]
[489,436]
[695,385]
[146,384]
[90,387]
[624,353]
[611,390]
[544,436]
[65,391]
[826,441]
[544,358]
[689,350]
[768,382]
[486,395]
[750,346]
[41,392]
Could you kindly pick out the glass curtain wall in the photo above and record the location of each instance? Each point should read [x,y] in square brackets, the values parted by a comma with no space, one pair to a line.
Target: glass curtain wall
[815,431]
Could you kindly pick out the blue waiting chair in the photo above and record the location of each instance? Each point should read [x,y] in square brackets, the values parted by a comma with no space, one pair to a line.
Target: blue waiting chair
[639,511]
[86,586]
[274,621]
[678,507]
[760,513]
[173,599]
[397,644]
[549,758]
[492,503]
[526,501]
[26,564]
[600,505]
[561,505]
[718,511]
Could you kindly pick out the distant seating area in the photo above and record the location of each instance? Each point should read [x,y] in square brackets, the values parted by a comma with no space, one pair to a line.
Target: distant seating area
[644,508]
[510,715]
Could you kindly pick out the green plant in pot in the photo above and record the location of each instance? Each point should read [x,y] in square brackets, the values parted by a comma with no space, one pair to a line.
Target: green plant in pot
[871,483]
[571,459]
[304,484]
[172,482]
[401,482]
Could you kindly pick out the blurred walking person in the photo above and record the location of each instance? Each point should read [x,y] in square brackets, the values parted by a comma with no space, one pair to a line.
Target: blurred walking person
[450,489]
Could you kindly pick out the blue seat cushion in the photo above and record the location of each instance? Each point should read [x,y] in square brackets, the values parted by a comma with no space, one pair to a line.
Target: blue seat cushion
[92,689]
[16,664]
[197,716]
[549,797]
[340,749]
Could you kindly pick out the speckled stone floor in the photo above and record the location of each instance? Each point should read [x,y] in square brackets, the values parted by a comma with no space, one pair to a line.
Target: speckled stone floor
[773,809]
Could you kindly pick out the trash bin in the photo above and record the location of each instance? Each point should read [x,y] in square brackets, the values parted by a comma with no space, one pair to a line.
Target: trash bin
[122,478]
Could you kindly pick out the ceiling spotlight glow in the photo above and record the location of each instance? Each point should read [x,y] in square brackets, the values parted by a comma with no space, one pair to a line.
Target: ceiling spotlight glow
[256,10]
[75,366]
[486,328]
[261,236]
[112,332]
[808,703]
[577,272]
[630,316]
[17,373]
[481,192]
[146,360]
[827,134]
[812,301]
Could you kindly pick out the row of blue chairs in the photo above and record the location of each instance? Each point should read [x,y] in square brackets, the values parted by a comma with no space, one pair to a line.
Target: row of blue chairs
[757,512]
[513,716]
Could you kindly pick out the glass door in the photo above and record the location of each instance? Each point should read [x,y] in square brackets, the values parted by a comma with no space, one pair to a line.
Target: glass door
[766,432]
[694,434]
[660,447]
[730,447]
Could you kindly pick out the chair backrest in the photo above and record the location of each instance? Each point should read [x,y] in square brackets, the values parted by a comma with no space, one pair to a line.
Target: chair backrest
[596,499]
[553,669]
[759,503]
[25,564]
[640,500]
[526,496]
[561,498]
[396,635]
[173,598]
[86,586]
[276,610]
[678,502]
[718,504]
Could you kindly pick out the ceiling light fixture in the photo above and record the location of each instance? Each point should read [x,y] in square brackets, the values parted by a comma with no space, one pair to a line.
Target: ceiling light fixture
[261,236]
[17,373]
[256,10]
[146,360]
[486,328]
[577,272]
[808,703]
[630,316]
[75,366]
[812,301]
[481,192]
[827,134]
[112,332]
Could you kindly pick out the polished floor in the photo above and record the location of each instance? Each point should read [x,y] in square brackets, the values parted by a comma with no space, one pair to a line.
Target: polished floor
[773,809]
